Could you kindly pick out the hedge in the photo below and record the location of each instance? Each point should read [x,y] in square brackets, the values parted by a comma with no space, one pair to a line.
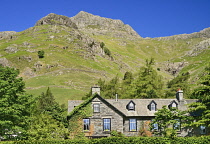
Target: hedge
[123,140]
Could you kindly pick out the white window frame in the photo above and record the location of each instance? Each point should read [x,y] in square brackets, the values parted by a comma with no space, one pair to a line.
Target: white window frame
[132,124]
[174,105]
[106,124]
[152,107]
[131,106]
[86,124]
[96,108]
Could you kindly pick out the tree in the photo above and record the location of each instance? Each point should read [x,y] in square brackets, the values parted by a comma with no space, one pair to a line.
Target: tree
[45,127]
[148,84]
[41,54]
[179,82]
[15,108]
[202,108]
[168,121]
[46,104]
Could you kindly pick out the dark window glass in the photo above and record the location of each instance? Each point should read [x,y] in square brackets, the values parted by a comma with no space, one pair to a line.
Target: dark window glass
[86,124]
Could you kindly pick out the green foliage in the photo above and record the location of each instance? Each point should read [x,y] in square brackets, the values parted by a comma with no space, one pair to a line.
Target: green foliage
[41,54]
[46,104]
[202,108]
[168,121]
[44,126]
[179,82]
[109,89]
[107,51]
[102,44]
[148,84]
[15,108]
[116,133]
[75,118]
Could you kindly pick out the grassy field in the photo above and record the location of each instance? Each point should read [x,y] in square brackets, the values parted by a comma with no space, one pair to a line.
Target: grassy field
[70,67]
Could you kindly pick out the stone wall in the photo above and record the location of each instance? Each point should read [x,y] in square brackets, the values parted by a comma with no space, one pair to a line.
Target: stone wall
[96,120]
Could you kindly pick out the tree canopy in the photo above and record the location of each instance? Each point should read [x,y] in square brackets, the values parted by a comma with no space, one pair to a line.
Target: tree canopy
[15,108]
[202,108]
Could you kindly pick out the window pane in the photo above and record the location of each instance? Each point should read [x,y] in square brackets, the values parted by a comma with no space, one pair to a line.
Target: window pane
[177,125]
[203,129]
[96,108]
[152,107]
[131,106]
[173,105]
[155,126]
[86,124]
[107,124]
[132,124]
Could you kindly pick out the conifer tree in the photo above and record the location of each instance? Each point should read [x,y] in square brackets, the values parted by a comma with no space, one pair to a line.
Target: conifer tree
[148,84]
[202,108]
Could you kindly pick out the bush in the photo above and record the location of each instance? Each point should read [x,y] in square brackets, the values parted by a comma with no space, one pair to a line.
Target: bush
[41,54]
[107,51]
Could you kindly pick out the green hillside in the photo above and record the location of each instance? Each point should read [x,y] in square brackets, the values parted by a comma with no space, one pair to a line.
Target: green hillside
[74,60]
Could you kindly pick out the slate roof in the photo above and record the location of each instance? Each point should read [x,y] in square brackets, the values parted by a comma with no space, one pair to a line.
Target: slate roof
[141,105]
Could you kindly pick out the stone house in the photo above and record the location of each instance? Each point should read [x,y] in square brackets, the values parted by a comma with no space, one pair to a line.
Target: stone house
[128,116]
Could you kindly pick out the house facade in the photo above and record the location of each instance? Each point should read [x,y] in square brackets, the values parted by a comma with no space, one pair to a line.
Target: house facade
[128,116]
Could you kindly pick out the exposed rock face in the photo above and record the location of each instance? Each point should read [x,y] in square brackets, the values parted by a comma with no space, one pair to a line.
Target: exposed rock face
[175,67]
[100,25]
[199,48]
[205,33]
[54,19]
[4,62]
[11,49]
[7,34]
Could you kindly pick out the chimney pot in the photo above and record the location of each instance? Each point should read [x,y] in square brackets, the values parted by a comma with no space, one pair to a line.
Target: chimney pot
[179,95]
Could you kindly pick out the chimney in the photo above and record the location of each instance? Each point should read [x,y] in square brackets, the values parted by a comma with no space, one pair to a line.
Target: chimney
[116,97]
[95,89]
[179,95]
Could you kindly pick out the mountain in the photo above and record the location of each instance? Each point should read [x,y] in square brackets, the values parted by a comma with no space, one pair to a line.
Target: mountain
[81,49]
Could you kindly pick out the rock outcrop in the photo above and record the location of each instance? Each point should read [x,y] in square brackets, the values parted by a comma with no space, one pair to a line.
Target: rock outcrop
[7,34]
[54,19]
[199,48]
[205,33]
[101,26]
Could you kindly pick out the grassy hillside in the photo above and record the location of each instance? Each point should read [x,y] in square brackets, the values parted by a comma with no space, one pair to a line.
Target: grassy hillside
[71,66]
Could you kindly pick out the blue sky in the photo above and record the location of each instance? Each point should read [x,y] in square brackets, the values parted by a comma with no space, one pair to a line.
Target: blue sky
[150,18]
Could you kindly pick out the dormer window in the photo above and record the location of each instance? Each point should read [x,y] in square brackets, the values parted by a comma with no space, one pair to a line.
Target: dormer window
[173,104]
[131,106]
[152,106]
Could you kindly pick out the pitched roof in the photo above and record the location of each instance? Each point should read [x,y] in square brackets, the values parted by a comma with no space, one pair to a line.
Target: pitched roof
[141,105]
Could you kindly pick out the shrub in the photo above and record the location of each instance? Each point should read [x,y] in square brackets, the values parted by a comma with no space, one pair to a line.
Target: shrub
[41,54]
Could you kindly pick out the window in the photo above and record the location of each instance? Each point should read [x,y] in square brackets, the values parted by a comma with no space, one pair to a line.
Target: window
[132,125]
[107,124]
[131,106]
[202,129]
[86,124]
[153,107]
[177,125]
[96,107]
[155,126]
[173,105]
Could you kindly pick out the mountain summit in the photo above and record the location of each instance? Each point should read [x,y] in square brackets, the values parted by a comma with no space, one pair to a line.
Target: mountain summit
[90,23]
[102,25]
